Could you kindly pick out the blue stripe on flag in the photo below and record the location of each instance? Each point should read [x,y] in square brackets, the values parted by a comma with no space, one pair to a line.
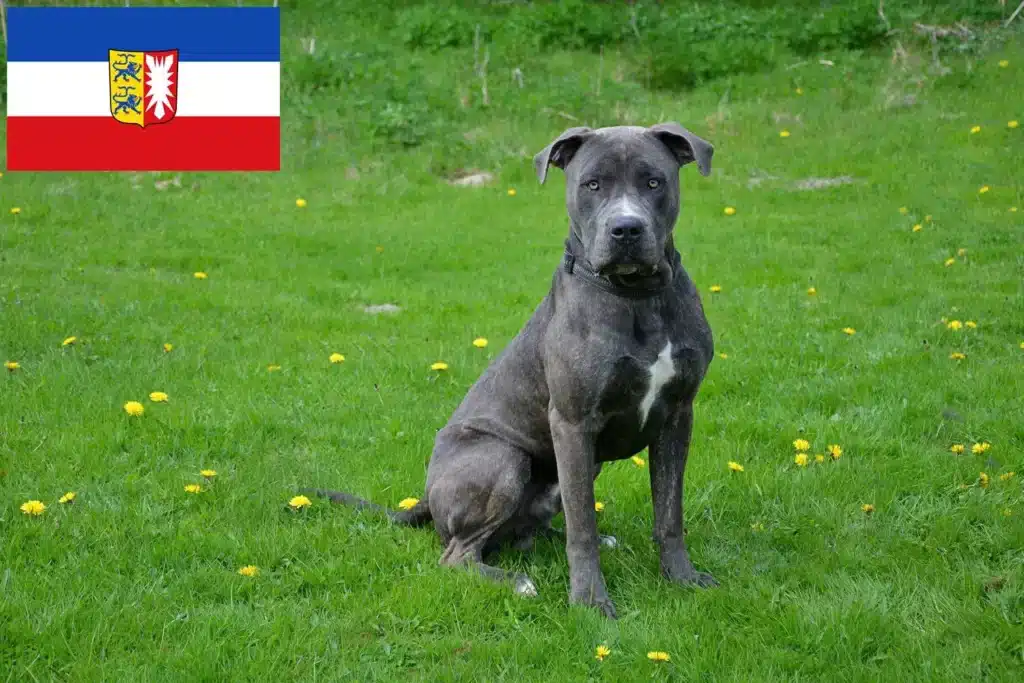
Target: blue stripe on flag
[84,34]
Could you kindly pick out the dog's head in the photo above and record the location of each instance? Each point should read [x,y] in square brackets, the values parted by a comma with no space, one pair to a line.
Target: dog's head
[622,189]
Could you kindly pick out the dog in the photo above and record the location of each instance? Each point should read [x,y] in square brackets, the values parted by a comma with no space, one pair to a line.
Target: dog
[608,364]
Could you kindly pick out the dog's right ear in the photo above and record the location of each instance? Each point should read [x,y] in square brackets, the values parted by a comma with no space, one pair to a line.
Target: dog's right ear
[560,152]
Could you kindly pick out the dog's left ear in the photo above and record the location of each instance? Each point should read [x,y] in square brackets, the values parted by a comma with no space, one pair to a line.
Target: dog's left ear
[560,152]
[686,146]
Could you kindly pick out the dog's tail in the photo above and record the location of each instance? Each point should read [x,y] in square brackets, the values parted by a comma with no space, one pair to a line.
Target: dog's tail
[417,515]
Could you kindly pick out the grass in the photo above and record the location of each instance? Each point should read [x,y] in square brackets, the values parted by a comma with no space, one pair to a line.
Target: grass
[137,579]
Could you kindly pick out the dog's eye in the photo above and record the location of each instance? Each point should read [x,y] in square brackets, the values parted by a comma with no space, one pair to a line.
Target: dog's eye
[593,185]
[654,183]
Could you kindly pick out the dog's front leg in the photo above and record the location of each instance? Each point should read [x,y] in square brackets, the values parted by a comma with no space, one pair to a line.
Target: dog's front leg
[668,464]
[575,457]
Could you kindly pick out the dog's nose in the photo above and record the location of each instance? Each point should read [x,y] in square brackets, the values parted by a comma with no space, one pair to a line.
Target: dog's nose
[626,228]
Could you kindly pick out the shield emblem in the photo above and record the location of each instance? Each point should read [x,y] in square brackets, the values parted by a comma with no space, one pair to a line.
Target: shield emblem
[143,86]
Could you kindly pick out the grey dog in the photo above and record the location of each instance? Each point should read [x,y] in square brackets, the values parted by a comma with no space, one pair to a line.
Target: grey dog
[609,364]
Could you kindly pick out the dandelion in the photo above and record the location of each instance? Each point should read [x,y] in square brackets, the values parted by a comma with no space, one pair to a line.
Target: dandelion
[975,129]
[600,652]
[209,474]
[980,448]
[480,343]
[729,211]
[1013,209]
[158,397]
[916,228]
[249,570]
[799,91]
[15,210]
[33,507]
[783,133]
[638,461]
[168,348]
[868,508]
[819,458]
[957,448]
[336,358]
[949,262]
[1007,476]
[954,325]
[11,365]
[971,324]
[300,202]
[68,497]
[69,341]
[1012,124]
[723,356]
[408,503]
[273,368]
[801,444]
[957,355]
[299,502]
[193,488]
[439,365]
[983,189]
[904,210]
[511,192]
[983,480]
[735,466]
[811,291]
[715,289]
[834,450]
[134,408]
[849,331]
[658,656]
[800,459]
[1003,63]
[599,506]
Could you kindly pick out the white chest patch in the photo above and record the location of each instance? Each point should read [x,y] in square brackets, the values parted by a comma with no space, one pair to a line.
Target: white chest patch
[661,371]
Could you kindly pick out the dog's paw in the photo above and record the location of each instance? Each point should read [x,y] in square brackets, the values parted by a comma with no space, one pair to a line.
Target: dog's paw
[601,602]
[609,541]
[694,578]
[524,586]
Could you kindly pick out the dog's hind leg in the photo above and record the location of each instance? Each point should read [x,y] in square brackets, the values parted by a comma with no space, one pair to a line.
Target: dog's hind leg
[457,555]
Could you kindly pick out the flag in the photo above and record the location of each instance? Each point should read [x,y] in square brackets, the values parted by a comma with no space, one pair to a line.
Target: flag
[143,89]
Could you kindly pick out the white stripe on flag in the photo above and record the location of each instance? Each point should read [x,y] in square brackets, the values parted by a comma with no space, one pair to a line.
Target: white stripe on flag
[204,89]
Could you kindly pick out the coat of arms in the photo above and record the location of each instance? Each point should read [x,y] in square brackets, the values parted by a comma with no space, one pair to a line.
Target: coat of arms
[143,86]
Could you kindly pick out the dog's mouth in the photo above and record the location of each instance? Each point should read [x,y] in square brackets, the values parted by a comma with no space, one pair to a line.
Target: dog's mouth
[630,269]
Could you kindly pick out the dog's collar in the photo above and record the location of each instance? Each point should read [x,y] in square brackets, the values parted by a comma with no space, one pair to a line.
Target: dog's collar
[642,289]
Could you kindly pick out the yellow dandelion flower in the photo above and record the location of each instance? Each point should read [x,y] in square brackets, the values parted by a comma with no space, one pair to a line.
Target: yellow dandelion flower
[1003,63]
[193,488]
[835,450]
[868,508]
[12,365]
[15,210]
[134,408]
[439,365]
[723,356]
[158,397]
[300,202]
[168,348]
[735,466]
[916,228]
[69,341]
[1013,209]
[209,474]
[983,480]
[957,448]
[68,497]
[273,367]
[971,324]
[801,444]
[715,288]
[408,503]
[299,502]
[249,570]
[980,448]
[599,506]
[800,459]
[511,192]
[819,458]
[1012,124]
[799,91]
[480,343]
[954,325]
[904,210]
[956,355]
[638,461]
[811,291]
[658,656]
[783,133]
[975,129]
[600,652]
[729,211]
[1007,476]
[336,358]
[983,189]
[33,507]
[950,261]
[849,330]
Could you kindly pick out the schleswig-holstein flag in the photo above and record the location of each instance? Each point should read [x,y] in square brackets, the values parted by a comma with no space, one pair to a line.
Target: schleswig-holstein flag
[143,89]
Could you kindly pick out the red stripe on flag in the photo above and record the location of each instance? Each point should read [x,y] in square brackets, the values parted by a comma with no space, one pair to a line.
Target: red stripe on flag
[183,144]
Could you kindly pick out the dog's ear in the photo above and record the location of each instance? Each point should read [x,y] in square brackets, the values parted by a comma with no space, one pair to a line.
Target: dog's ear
[560,152]
[686,146]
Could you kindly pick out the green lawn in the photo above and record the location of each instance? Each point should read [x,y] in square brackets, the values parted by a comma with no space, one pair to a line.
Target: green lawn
[137,579]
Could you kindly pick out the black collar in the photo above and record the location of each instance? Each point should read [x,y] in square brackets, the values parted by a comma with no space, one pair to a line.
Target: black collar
[641,288]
